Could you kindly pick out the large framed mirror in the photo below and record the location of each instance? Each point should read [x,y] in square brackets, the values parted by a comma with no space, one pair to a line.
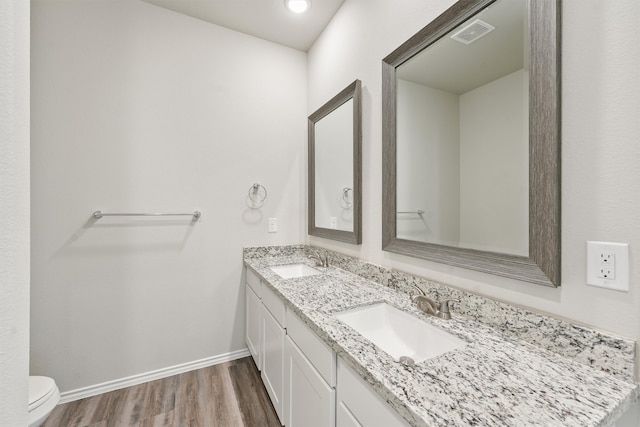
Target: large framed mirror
[471,140]
[335,167]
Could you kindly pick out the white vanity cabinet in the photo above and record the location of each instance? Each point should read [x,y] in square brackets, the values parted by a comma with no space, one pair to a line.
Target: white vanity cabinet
[265,334]
[273,334]
[358,405]
[307,384]
[252,318]
[631,418]
[310,378]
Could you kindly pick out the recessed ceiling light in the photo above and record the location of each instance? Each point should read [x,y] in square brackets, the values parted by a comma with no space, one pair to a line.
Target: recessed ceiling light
[298,6]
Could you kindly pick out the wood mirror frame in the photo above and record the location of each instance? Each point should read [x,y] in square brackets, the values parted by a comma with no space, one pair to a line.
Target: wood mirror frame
[353,91]
[542,265]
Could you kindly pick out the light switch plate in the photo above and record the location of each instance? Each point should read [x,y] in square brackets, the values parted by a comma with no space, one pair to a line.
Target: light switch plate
[608,265]
[333,222]
[273,225]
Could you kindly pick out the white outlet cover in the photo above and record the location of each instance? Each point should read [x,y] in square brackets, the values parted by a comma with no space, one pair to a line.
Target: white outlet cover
[620,282]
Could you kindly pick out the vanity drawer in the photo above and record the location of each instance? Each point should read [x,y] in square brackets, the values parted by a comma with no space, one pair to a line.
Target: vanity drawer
[357,404]
[253,281]
[274,304]
[318,353]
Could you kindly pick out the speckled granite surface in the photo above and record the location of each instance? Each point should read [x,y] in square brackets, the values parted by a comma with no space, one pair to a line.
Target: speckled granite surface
[609,353]
[606,352]
[497,379]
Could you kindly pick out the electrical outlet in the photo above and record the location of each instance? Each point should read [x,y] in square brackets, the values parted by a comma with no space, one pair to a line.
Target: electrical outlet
[606,273]
[608,265]
[607,257]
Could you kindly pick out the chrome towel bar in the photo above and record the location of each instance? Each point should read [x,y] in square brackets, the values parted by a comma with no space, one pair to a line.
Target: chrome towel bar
[419,212]
[100,214]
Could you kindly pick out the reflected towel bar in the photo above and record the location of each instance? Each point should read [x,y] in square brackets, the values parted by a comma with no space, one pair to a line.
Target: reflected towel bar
[419,212]
[100,214]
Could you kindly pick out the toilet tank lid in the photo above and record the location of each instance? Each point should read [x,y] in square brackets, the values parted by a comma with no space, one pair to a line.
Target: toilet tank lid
[39,388]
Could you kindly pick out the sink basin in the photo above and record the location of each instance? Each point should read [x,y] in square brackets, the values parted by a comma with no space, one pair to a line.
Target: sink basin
[398,333]
[290,271]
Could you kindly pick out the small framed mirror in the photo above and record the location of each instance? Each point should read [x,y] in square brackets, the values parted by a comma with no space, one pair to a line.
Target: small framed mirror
[471,140]
[335,167]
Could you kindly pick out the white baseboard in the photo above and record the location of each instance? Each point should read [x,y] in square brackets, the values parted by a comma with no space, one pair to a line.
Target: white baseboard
[93,390]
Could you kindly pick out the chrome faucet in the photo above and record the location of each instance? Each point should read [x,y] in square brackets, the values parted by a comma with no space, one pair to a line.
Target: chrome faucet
[432,307]
[321,260]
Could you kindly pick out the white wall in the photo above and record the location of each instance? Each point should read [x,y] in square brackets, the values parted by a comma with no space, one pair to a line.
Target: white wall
[494,165]
[600,150]
[137,108]
[464,161]
[428,147]
[14,212]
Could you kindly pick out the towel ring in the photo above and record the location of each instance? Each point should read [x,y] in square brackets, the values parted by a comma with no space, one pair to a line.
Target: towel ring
[256,196]
[347,198]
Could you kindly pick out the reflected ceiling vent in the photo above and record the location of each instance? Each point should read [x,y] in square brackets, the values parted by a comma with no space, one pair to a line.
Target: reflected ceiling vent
[473,32]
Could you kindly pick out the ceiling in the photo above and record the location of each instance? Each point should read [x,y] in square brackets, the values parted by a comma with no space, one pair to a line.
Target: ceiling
[266,19]
[453,67]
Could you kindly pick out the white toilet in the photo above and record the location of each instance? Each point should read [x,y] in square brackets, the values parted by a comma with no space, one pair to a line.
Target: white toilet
[43,397]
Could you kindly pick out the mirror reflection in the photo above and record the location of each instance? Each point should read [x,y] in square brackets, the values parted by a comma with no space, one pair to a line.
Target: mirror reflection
[471,140]
[333,154]
[335,140]
[462,135]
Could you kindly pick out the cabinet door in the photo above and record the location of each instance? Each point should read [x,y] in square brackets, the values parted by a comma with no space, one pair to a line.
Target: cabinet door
[359,405]
[631,417]
[345,418]
[252,319]
[309,400]
[313,348]
[273,359]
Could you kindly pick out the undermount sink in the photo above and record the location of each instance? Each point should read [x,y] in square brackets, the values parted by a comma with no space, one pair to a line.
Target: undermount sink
[290,271]
[400,334]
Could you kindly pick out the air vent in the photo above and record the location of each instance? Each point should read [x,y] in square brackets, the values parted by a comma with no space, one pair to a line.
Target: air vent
[473,32]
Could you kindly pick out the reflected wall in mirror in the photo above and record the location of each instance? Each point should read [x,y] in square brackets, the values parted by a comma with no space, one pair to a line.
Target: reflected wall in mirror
[462,136]
[471,140]
[335,141]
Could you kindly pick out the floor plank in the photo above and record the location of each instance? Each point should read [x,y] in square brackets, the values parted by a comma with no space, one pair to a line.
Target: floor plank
[115,416]
[225,395]
[165,419]
[82,412]
[188,411]
[110,406]
[254,403]
[130,407]
[160,397]
[225,410]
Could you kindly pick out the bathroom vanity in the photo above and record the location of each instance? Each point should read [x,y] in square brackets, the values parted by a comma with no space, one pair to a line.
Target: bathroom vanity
[318,369]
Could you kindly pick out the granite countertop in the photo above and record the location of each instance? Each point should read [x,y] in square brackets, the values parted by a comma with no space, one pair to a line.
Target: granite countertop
[495,380]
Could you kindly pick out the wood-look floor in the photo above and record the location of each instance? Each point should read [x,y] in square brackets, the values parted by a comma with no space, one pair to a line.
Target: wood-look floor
[228,394]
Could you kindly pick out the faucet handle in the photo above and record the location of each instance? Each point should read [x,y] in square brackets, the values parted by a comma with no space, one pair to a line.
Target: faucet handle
[322,259]
[426,304]
[386,275]
[445,309]
[315,255]
[420,293]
